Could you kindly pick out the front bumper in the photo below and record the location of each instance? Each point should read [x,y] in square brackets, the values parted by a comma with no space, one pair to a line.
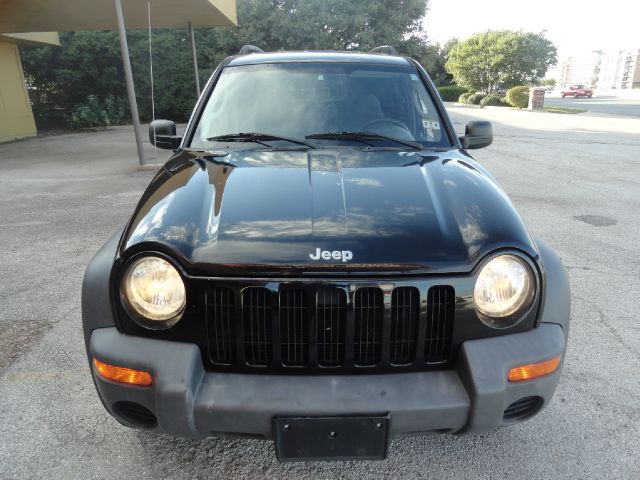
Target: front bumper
[188,401]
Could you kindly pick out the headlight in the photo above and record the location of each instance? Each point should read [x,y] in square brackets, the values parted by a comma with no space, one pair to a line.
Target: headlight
[504,291]
[153,289]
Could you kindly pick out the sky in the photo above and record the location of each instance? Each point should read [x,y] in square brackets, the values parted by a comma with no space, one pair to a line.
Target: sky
[576,27]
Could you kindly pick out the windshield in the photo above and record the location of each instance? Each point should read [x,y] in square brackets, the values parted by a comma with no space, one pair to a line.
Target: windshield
[298,100]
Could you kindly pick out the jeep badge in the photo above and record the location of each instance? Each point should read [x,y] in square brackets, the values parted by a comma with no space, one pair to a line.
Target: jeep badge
[344,255]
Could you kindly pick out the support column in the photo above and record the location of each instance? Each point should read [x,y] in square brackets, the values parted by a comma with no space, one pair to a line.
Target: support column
[195,58]
[126,63]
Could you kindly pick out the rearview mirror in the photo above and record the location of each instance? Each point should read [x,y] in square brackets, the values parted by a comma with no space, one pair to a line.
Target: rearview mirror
[477,135]
[162,134]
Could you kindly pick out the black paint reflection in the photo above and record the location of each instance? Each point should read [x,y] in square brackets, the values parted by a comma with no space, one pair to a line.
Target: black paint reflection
[268,210]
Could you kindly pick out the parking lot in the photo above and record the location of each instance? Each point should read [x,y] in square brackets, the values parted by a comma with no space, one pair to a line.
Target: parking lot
[574,178]
[606,103]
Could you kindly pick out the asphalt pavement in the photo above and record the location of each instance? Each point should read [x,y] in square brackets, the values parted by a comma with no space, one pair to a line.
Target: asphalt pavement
[600,103]
[576,181]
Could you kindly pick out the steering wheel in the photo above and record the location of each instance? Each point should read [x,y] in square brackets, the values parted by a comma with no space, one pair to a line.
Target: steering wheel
[382,121]
[387,121]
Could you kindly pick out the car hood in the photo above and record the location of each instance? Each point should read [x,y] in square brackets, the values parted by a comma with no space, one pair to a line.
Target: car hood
[269,212]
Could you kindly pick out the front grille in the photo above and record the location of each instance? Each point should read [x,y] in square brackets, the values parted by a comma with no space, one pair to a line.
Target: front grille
[293,327]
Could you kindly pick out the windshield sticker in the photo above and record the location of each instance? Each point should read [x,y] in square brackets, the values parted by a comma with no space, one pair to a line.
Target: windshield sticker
[414,77]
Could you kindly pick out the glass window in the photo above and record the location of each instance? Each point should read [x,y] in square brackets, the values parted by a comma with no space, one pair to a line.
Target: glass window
[300,99]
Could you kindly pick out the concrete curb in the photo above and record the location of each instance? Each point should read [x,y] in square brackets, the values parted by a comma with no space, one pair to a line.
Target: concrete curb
[148,167]
[464,105]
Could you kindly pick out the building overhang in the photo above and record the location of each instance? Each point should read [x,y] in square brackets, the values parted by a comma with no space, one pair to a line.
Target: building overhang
[36,39]
[20,16]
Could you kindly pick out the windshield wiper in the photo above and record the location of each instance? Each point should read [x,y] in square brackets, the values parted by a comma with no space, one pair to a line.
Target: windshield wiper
[257,138]
[362,137]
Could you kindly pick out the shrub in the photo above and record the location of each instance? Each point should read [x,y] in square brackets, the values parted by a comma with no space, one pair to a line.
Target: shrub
[464,98]
[93,113]
[88,114]
[518,96]
[116,109]
[493,100]
[451,93]
[49,116]
[475,98]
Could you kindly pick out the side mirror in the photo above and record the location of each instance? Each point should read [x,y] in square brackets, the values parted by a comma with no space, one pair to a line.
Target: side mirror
[477,135]
[162,134]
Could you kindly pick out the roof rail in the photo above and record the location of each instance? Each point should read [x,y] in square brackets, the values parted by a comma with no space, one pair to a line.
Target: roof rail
[247,49]
[385,50]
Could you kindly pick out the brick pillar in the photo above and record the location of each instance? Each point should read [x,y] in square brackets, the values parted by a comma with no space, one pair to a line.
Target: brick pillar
[536,98]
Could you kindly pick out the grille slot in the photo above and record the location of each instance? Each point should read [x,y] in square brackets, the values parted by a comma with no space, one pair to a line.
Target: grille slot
[440,310]
[294,327]
[136,414]
[257,323]
[368,311]
[523,408]
[405,312]
[221,325]
[331,308]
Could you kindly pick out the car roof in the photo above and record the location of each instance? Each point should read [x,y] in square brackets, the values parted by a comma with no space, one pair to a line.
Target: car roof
[292,57]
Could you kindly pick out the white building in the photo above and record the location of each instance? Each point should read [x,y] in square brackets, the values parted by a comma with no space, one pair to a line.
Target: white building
[605,70]
[631,70]
[580,69]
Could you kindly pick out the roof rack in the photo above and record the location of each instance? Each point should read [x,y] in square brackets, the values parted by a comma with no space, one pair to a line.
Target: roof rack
[247,49]
[385,50]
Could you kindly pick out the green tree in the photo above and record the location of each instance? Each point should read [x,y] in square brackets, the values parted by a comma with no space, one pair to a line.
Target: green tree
[432,57]
[65,76]
[501,58]
[437,61]
[88,64]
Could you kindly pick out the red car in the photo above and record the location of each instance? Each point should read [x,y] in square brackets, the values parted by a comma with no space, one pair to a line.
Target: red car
[577,91]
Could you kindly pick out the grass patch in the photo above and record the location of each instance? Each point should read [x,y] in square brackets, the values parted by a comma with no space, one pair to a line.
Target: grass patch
[568,110]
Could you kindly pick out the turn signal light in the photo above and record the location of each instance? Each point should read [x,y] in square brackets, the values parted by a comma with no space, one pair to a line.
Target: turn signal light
[534,370]
[122,374]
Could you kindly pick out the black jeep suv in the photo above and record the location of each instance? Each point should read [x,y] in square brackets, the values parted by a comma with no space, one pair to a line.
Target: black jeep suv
[321,263]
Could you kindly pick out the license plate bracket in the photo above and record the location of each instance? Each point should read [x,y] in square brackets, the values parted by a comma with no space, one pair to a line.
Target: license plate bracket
[331,438]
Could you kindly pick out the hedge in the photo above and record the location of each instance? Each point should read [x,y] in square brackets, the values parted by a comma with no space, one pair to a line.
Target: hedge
[451,93]
[518,96]
[475,98]
[464,98]
[493,100]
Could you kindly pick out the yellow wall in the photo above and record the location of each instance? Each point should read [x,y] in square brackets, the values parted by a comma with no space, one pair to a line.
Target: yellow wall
[16,117]
[33,39]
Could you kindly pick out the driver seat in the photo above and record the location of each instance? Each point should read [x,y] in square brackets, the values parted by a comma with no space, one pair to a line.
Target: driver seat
[365,109]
